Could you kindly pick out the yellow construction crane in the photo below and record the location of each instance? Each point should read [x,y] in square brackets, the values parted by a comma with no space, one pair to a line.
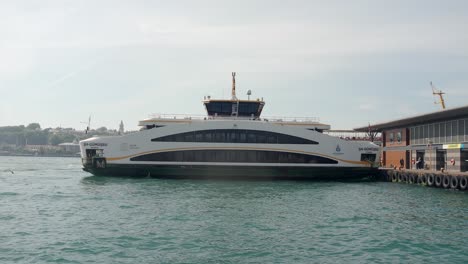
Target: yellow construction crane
[440,94]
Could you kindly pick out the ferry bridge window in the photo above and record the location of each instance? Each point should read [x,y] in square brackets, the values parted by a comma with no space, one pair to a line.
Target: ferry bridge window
[245,156]
[225,108]
[221,108]
[248,108]
[234,136]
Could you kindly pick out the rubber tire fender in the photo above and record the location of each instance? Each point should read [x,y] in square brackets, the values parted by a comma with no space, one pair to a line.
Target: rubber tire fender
[396,176]
[438,180]
[400,176]
[423,179]
[446,181]
[382,175]
[454,182]
[389,174]
[430,180]
[463,182]
[405,177]
[412,179]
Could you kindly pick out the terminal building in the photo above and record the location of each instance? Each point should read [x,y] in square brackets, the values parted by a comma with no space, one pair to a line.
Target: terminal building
[433,141]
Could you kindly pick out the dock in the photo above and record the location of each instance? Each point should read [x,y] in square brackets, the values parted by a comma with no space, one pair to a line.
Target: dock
[429,149]
[435,179]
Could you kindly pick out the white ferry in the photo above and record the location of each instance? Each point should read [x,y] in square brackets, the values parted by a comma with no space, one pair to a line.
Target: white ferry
[232,141]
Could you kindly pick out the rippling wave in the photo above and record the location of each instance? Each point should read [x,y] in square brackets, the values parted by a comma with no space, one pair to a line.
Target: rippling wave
[52,211]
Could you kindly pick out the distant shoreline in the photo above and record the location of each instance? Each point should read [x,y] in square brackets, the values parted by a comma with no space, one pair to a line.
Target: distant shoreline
[38,156]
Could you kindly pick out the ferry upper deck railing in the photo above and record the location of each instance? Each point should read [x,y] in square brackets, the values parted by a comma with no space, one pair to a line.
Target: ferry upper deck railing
[354,135]
[204,117]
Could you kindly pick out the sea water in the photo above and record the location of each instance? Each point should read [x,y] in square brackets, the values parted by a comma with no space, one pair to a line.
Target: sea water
[53,212]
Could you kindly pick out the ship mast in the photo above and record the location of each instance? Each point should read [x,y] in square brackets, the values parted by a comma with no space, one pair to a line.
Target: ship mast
[440,94]
[233,93]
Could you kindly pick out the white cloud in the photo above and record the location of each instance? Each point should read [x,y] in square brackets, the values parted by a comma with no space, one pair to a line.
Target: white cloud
[14,61]
[161,49]
[367,107]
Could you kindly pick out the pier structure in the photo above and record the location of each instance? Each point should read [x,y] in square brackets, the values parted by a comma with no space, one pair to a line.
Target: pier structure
[435,179]
[432,142]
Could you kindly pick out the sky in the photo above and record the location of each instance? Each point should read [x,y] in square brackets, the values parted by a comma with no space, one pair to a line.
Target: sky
[347,62]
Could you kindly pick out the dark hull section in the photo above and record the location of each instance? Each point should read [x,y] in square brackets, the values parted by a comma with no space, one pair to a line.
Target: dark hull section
[234,172]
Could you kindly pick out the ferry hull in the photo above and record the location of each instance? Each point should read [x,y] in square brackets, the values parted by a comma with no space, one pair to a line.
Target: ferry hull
[234,172]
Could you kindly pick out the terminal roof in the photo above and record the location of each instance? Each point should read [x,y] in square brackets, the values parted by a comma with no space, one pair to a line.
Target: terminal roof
[448,114]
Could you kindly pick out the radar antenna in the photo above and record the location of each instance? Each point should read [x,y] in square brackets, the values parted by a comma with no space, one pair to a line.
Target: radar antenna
[440,94]
[233,94]
[89,125]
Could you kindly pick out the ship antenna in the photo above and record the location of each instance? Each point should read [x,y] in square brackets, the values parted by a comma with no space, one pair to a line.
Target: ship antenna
[89,125]
[233,94]
[440,94]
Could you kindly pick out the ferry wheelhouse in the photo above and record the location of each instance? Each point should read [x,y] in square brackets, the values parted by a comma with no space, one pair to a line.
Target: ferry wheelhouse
[232,141]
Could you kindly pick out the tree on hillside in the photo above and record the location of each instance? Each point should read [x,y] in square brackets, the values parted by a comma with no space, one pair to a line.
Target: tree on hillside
[56,139]
[12,129]
[34,126]
[102,130]
[36,137]
[12,135]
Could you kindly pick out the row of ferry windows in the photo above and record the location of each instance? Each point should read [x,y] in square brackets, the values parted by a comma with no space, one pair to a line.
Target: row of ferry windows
[235,136]
[245,156]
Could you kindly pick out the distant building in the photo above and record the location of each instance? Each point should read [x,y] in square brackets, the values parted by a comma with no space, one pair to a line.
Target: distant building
[40,148]
[70,147]
[121,128]
[439,139]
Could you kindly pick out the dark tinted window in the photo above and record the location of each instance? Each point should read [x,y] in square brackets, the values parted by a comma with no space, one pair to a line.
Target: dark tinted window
[225,108]
[235,136]
[368,157]
[247,156]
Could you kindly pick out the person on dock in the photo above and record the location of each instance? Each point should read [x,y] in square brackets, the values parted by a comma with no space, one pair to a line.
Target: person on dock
[418,163]
[402,163]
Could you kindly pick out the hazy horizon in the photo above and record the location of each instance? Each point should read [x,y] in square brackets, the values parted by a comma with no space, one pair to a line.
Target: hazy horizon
[348,63]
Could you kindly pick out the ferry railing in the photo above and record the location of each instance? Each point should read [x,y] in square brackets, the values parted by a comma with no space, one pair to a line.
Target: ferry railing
[177,116]
[204,117]
[353,135]
[292,119]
